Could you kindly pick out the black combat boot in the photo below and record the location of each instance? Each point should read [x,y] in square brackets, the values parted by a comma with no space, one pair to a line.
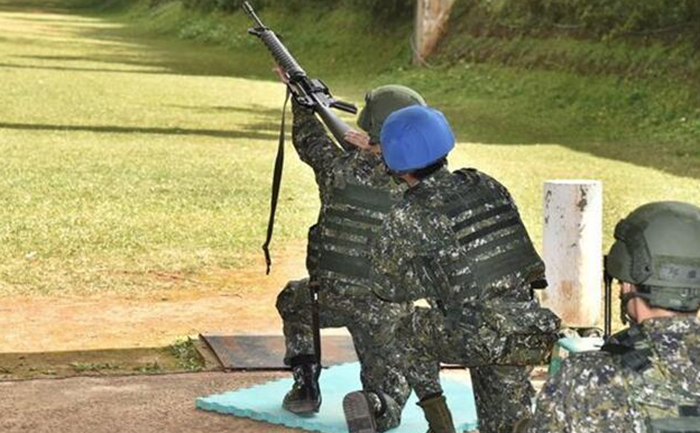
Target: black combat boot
[361,411]
[437,414]
[305,395]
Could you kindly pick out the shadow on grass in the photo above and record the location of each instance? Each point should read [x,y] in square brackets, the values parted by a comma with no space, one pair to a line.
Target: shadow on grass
[153,60]
[77,69]
[122,60]
[253,109]
[263,126]
[251,135]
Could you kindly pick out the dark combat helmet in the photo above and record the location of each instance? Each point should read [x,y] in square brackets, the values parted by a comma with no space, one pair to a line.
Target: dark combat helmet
[381,102]
[657,248]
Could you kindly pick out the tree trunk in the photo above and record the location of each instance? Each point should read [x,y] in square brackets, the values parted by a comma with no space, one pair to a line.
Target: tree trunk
[431,19]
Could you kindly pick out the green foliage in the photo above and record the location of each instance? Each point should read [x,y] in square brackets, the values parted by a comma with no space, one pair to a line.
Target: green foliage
[582,37]
[229,6]
[598,18]
[385,10]
[83,367]
[186,354]
[379,10]
[149,368]
[327,42]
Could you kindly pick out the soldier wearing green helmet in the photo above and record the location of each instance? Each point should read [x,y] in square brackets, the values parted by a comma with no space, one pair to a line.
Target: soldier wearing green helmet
[356,193]
[380,103]
[646,379]
[456,240]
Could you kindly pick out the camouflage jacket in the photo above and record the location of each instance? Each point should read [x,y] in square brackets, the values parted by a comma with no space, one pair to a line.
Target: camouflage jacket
[417,238]
[599,392]
[334,169]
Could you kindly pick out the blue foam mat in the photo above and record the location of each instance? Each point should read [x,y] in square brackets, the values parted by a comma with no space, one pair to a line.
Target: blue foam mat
[575,345]
[263,403]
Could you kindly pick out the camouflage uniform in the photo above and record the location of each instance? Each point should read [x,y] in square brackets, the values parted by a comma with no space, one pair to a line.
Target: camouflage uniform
[633,390]
[345,300]
[457,240]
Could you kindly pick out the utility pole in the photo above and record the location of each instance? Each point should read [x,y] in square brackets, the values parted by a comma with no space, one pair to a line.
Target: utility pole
[573,250]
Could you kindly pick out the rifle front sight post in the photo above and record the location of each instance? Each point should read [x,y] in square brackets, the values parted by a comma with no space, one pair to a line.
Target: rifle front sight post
[251,13]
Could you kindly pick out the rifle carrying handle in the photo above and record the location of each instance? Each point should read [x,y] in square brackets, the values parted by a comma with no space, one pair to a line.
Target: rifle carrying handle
[344,106]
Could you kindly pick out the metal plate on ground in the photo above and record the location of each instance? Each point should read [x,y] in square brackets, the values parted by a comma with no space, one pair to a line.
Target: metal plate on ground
[266,352]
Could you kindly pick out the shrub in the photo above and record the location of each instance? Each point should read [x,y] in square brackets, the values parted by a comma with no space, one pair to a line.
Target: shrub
[602,18]
[384,10]
[235,5]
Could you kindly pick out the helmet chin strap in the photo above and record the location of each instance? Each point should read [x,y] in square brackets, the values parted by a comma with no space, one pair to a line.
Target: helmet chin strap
[625,298]
[608,279]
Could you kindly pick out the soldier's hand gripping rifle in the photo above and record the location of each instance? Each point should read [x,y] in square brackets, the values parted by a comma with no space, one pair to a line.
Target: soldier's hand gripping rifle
[311,93]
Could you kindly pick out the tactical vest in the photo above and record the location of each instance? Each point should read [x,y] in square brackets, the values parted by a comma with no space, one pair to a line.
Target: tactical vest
[490,245]
[666,406]
[348,226]
[493,238]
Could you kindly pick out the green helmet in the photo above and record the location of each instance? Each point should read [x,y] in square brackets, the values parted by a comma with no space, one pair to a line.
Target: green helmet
[381,102]
[657,248]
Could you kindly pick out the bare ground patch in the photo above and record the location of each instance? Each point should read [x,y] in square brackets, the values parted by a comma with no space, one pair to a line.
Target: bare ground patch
[53,323]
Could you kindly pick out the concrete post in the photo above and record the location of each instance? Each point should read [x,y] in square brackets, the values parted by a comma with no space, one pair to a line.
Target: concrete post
[573,250]
[431,18]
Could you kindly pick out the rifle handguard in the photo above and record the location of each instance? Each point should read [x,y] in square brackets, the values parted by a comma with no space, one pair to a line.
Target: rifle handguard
[281,54]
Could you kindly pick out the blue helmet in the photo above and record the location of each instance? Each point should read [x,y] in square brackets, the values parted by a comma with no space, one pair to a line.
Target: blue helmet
[415,137]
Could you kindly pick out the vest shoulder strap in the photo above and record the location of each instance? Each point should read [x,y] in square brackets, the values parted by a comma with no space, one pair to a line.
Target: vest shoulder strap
[469,174]
[637,360]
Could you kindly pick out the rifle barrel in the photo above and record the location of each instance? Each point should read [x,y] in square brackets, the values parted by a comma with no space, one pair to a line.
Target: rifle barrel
[251,13]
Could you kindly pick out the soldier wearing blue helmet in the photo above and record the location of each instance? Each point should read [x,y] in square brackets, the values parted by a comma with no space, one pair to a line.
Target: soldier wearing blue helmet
[404,138]
[456,240]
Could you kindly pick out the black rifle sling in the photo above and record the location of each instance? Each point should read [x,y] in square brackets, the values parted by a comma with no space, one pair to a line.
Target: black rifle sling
[315,321]
[276,183]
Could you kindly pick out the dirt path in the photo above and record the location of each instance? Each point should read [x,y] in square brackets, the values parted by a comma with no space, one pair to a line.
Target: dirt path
[126,404]
[50,324]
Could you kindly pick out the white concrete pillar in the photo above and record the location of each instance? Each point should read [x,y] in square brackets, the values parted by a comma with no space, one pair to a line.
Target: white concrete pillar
[431,20]
[573,250]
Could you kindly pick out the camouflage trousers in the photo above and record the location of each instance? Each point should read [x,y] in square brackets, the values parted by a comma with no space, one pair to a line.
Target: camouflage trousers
[370,321]
[503,394]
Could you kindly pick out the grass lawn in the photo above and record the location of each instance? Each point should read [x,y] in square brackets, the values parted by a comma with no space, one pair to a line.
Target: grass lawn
[126,156]
[115,169]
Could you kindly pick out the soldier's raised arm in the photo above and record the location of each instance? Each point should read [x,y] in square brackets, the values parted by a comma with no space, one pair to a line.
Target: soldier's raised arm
[312,143]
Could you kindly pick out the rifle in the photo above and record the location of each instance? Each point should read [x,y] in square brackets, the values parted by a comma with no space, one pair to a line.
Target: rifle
[314,94]
[311,93]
